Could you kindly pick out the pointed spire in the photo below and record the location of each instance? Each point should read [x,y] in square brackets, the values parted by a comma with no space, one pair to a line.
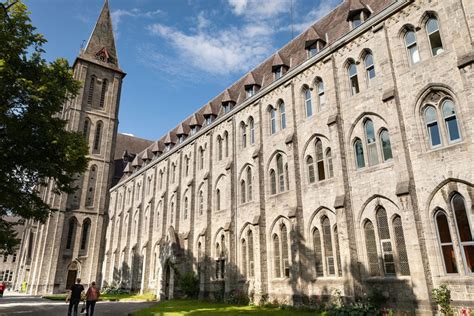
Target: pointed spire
[101,44]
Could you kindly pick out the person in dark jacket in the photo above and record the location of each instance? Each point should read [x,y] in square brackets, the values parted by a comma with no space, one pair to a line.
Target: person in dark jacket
[75,297]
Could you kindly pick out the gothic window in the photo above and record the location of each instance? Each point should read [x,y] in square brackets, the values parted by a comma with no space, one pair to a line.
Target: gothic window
[201,202]
[173,172]
[160,180]
[172,212]
[282,115]
[307,102]
[244,134]
[86,129]
[412,47]
[449,116]
[242,191]
[273,182]
[219,147]
[30,243]
[385,241]
[320,160]
[226,140]
[369,67]
[446,243]
[252,130]
[434,36]
[338,252]
[401,247]
[353,79]
[70,233]
[371,248]
[284,251]
[185,215]
[85,234]
[218,200]
[431,121]
[251,259]
[287,177]
[318,253]
[272,120]
[90,95]
[281,177]
[329,163]
[97,137]
[91,186]
[464,231]
[310,167]
[103,93]
[201,158]
[186,166]
[249,184]
[372,154]
[327,241]
[386,146]
[244,258]
[276,256]
[321,93]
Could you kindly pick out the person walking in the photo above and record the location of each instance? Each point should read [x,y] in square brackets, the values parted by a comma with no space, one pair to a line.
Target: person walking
[75,297]
[92,296]
[2,288]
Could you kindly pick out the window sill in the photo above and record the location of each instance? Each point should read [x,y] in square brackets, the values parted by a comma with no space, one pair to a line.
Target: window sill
[445,147]
[377,167]
[321,183]
[388,278]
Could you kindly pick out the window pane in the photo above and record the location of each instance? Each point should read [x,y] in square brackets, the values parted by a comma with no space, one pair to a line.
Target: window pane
[371,246]
[449,259]
[359,151]
[469,256]
[318,254]
[414,54]
[309,106]
[329,163]
[433,129]
[462,221]
[386,146]
[338,252]
[282,116]
[276,256]
[410,38]
[284,250]
[449,115]
[401,247]
[436,44]
[273,181]
[328,251]
[309,163]
[443,228]
[432,26]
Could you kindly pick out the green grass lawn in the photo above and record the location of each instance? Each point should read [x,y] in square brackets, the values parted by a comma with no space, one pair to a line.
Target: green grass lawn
[200,308]
[109,297]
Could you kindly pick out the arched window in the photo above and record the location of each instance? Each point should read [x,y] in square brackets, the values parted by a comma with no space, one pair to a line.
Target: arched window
[70,234]
[172,212]
[90,194]
[464,231]
[272,121]
[369,67]
[201,158]
[226,140]
[281,176]
[252,131]
[244,134]
[160,180]
[359,154]
[310,167]
[186,166]
[244,258]
[201,202]
[401,247]
[318,253]
[432,28]
[272,182]
[249,184]
[353,79]
[338,252]
[173,173]
[372,154]
[386,146]
[219,148]
[284,251]
[385,241]
[85,234]
[371,248]
[446,243]
[135,222]
[327,241]
[449,116]
[90,95]
[86,129]
[218,200]
[287,177]
[97,137]
[102,93]
[282,116]
[242,191]
[185,207]
[329,163]
[320,159]
[321,95]
[431,121]
[412,48]
[276,256]
[308,102]
[251,260]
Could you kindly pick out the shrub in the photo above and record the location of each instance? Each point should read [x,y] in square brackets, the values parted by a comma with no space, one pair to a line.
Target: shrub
[189,283]
[113,289]
[238,297]
[442,296]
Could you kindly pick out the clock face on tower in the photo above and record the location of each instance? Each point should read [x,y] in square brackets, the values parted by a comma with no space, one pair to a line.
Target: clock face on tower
[103,56]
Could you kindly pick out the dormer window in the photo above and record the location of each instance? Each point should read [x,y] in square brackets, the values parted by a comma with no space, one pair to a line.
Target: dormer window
[358,17]
[356,21]
[278,72]
[181,138]
[194,130]
[314,48]
[167,147]
[227,106]
[209,119]
[250,90]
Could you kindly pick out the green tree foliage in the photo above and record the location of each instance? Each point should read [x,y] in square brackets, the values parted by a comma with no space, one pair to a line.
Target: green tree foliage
[34,146]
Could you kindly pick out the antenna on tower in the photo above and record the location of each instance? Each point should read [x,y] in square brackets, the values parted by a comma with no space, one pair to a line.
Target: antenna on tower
[291,12]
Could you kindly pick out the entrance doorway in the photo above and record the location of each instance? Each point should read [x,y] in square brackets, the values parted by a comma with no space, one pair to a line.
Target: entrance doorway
[71,278]
[169,282]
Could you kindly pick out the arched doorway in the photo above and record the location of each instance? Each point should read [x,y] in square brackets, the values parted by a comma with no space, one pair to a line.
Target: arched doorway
[168,287]
[72,274]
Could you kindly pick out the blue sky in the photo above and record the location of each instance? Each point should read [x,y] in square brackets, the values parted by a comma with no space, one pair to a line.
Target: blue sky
[178,54]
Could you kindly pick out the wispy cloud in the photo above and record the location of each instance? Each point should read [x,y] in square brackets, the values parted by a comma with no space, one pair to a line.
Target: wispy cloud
[309,18]
[259,8]
[118,14]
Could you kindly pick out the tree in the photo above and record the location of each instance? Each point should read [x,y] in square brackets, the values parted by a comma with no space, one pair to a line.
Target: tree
[35,148]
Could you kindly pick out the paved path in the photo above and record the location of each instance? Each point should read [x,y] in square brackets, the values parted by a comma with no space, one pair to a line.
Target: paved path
[33,305]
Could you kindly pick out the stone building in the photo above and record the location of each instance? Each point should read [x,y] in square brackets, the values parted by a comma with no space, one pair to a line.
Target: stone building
[8,262]
[344,161]
[69,244]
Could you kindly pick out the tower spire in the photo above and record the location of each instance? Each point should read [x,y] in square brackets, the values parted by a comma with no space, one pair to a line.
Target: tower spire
[101,44]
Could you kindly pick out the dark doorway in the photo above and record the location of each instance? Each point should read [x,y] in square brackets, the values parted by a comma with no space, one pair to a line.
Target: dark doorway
[167,282]
[71,278]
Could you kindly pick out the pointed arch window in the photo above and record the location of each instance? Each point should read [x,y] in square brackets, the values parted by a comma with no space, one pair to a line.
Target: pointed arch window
[160,180]
[173,173]
[353,79]
[252,131]
[243,129]
[281,176]
[103,93]
[276,256]
[338,252]
[226,140]
[308,102]
[186,166]
[219,147]
[369,67]
[372,154]
[287,177]
[371,248]
[90,95]
[242,191]
[385,241]
[464,231]
[201,158]
[328,250]
[284,251]
[401,246]
[185,208]
[436,44]
[386,146]
[90,195]
[329,163]
[97,137]
[218,200]
[85,234]
[318,253]
[320,160]
[70,234]
[431,121]
[321,93]
[244,258]
[310,167]
[86,129]
[282,115]
[450,120]
[446,242]
[273,182]
[251,259]
[412,47]
[272,120]
[249,184]
[201,202]
[172,213]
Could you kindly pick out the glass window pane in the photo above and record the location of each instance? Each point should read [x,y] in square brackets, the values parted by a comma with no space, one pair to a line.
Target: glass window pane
[469,256]
[371,248]
[328,251]
[359,151]
[432,25]
[436,43]
[386,146]
[401,246]
[369,131]
[382,224]
[410,38]
[443,228]
[414,54]
[462,220]
[433,129]
[449,259]
[318,254]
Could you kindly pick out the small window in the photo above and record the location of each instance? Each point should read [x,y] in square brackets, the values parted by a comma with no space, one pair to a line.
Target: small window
[103,93]
[432,28]
[185,215]
[90,95]
[249,184]
[329,163]
[318,253]
[464,231]
[321,95]
[70,234]
[432,126]
[308,103]
[412,48]
[385,241]
[278,72]
[272,121]
[449,116]
[369,67]
[250,90]
[386,146]
[328,251]
[313,49]
[320,160]
[354,81]
[372,154]
[310,167]
[243,128]
[97,137]
[219,147]
[252,131]
[242,191]
[284,251]
[227,107]
[281,176]
[359,154]
[86,129]
[371,248]
[201,158]
[282,115]
[218,199]
[272,182]
[209,120]
[356,21]
[276,256]
[201,202]
[446,243]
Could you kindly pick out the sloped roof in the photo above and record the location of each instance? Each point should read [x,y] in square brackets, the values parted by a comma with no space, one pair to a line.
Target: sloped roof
[129,144]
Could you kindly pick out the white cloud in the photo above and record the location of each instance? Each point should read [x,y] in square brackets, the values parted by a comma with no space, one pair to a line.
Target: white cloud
[118,14]
[261,9]
[323,8]
[202,21]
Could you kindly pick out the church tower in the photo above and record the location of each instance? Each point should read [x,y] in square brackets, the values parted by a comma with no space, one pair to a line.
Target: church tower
[70,243]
